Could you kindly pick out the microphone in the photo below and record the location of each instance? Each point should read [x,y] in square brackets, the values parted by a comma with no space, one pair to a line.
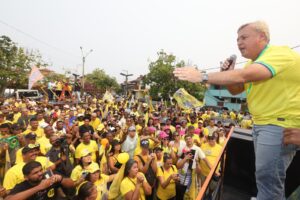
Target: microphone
[231,59]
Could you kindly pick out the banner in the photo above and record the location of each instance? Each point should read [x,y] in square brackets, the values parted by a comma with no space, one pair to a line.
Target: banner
[108,97]
[35,76]
[185,100]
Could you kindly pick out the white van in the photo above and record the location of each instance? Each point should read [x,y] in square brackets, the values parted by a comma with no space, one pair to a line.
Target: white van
[31,94]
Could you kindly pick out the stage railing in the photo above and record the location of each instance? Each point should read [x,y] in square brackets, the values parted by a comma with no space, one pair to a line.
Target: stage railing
[217,194]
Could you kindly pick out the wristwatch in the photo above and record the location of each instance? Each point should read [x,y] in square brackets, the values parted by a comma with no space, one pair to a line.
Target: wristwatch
[204,78]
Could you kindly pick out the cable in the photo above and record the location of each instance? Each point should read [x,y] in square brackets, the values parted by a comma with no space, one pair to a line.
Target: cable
[36,39]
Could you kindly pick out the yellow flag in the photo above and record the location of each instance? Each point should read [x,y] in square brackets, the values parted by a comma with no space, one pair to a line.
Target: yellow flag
[185,100]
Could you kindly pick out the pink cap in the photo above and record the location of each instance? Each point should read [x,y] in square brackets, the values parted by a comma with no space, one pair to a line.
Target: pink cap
[178,126]
[197,131]
[151,129]
[163,134]
[182,132]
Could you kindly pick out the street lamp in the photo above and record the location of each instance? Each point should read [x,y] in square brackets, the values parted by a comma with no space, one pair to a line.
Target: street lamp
[83,62]
[126,81]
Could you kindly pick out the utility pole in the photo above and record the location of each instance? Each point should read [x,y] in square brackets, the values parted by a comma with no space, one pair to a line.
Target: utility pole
[83,62]
[126,81]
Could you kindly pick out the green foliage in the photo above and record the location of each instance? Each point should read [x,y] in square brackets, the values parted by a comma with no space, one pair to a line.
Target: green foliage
[162,81]
[15,63]
[53,76]
[102,81]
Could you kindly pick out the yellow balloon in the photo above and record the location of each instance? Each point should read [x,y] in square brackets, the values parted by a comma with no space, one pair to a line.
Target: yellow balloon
[123,158]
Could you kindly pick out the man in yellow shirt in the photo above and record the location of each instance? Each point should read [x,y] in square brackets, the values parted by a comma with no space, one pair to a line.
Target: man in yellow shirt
[34,127]
[17,114]
[271,82]
[212,150]
[44,142]
[95,121]
[14,175]
[88,144]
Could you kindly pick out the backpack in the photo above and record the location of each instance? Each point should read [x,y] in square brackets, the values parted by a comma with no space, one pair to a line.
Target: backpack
[150,174]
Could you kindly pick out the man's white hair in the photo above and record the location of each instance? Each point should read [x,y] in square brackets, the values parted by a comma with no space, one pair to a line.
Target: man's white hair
[259,26]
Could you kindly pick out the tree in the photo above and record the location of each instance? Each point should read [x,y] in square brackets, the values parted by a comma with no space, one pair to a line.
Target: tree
[102,81]
[15,64]
[162,81]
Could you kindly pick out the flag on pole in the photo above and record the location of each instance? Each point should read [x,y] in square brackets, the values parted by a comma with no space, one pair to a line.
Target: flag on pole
[35,76]
[185,100]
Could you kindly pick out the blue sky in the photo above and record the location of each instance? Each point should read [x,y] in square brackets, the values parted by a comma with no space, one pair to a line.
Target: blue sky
[126,35]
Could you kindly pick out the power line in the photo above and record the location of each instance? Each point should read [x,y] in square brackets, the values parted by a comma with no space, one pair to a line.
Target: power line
[36,39]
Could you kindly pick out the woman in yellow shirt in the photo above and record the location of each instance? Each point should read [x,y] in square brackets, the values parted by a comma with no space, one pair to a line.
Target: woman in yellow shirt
[114,152]
[134,185]
[167,176]
[80,171]
[99,180]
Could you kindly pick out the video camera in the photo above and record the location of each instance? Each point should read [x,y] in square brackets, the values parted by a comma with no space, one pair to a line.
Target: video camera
[191,161]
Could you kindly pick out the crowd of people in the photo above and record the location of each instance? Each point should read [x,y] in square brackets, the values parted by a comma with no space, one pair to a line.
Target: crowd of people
[109,150]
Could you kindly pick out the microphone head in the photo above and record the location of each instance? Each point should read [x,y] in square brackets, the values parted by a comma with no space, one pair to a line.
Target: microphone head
[232,57]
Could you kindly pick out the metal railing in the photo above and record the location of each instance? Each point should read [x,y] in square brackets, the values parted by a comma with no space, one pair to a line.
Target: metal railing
[217,194]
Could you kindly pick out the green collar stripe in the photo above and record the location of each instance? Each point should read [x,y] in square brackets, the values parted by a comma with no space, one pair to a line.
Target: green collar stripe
[269,67]
[249,88]
[263,51]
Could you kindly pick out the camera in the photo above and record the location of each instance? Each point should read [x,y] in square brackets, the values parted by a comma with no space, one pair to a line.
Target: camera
[84,174]
[48,174]
[191,152]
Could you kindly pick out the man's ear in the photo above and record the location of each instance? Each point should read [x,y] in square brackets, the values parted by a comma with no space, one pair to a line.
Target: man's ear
[26,178]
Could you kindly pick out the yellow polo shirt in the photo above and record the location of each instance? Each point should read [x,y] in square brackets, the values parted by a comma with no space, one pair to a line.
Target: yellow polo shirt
[211,154]
[92,147]
[39,132]
[129,184]
[101,185]
[15,175]
[95,123]
[169,191]
[276,100]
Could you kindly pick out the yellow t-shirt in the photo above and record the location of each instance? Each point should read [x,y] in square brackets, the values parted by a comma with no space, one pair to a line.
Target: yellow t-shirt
[196,137]
[211,154]
[276,100]
[16,117]
[138,128]
[129,184]
[92,147]
[15,175]
[59,86]
[170,191]
[138,148]
[232,115]
[45,145]
[19,157]
[101,185]
[205,131]
[39,132]
[137,158]
[77,173]
[95,123]
[246,123]
[195,125]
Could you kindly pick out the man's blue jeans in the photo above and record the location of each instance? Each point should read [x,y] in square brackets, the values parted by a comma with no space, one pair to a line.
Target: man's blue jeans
[272,160]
